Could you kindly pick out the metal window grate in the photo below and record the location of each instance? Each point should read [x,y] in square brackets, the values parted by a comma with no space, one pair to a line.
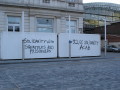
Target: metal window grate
[46,1]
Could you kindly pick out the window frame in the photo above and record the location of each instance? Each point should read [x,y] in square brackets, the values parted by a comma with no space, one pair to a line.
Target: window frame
[67,26]
[45,26]
[13,25]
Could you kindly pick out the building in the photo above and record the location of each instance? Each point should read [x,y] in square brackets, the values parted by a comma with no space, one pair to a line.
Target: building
[96,12]
[113,33]
[94,21]
[113,29]
[41,16]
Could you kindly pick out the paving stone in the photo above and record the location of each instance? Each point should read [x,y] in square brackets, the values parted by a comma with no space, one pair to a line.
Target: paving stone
[75,75]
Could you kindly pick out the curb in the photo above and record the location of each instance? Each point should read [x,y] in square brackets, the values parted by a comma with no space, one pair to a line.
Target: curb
[50,60]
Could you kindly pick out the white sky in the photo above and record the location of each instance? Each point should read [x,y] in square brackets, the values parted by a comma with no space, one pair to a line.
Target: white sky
[109,1]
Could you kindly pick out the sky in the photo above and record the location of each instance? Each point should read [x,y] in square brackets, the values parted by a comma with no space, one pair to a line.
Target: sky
[109,1]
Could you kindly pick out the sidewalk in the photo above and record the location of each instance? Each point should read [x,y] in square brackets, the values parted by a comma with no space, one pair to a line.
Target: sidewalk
[108,55]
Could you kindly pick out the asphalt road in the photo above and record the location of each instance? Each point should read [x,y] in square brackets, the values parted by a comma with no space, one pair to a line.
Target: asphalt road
[96,74]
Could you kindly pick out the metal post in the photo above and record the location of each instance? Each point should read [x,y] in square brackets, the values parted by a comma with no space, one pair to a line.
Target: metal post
[69,39]
[0,46]
[23,52]
[105,37]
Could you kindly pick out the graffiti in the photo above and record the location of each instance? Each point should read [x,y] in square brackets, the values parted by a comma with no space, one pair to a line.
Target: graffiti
[75,41]
[85,44]
[84,47]
[37,41]
[38,45]
[41,49]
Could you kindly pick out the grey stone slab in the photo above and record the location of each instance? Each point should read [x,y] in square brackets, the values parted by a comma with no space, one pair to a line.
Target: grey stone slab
[79,75]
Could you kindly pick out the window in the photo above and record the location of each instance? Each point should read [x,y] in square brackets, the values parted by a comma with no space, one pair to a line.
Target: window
[101,23]
[14,24]
[44,25]
[73,26]
[71,0]
[46,1]
[108,18]
[71,4]
[116,18]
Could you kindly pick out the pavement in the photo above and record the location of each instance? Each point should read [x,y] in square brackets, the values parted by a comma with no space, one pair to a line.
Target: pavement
[108,55]
[85,73]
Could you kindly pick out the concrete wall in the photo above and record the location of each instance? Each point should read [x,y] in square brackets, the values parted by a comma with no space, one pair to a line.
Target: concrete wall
[32,13]
[54,4]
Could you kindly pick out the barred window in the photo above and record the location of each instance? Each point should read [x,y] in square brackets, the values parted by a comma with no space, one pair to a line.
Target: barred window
[46,1]
[71,4]
[71,0]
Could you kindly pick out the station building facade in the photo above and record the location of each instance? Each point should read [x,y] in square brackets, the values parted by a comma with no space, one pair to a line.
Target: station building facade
[96,12]
[94,21]
[50,16]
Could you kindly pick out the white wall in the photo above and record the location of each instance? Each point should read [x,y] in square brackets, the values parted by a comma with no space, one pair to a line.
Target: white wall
[44,45]
[37,45]
[11,45]
[82,45]
[40,45]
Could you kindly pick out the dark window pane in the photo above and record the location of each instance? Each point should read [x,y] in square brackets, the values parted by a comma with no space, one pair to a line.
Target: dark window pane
[10,28]
[45,21]
[17,28]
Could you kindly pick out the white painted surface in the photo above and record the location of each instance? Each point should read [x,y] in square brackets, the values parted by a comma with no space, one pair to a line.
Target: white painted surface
[82,45]
[44,45]
[40,45]
[11,45]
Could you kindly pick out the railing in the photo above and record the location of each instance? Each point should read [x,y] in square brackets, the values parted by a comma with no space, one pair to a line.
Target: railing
[54,4]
